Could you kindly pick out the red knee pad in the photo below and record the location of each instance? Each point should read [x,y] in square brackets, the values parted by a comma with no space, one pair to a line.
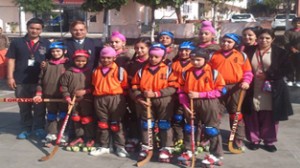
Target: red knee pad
[86,120]
[76,118]
[115,126]
[102,125]
[240,116]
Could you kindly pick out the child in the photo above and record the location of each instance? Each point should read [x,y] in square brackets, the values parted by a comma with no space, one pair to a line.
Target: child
[292,44]
[167,39]
[207,33]
[237,73]
[76,81]
[118,43]
[48,87]
[155,81]
[204,85]
[131,121]
[109,82]
[179,65]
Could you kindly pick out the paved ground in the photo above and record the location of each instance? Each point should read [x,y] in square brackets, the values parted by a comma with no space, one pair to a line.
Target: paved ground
[25,153]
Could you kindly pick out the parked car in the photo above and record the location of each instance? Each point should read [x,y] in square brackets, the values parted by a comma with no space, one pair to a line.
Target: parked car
[242,17]
[279,21]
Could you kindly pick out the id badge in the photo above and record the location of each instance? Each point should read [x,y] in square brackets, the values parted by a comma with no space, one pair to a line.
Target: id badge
[31,62]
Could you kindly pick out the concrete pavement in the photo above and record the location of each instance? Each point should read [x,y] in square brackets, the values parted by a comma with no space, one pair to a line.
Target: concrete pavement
[25,153]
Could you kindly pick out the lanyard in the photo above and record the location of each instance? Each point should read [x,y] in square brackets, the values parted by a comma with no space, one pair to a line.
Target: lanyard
[32,49]
[259,56]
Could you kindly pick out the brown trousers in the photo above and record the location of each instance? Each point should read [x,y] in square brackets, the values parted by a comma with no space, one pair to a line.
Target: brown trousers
[110,108]
[161,109]
[53,126]
[207,113]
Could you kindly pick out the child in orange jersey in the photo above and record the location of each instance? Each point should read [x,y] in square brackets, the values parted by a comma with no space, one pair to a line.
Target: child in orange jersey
[76,81]
[109,82]
[204,85]
[237,73]
[167,39]
[131,121]
[207,33]
[155,81]
[181,64]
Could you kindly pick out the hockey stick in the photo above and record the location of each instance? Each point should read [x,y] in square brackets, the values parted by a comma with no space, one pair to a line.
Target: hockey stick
[235,123]
[61,132]
[192,134]
[28,100]
[150,137]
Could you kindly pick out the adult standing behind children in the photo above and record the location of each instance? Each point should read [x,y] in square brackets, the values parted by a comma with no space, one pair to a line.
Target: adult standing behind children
[78,30]
[292,44]
[24,57]
[267,100]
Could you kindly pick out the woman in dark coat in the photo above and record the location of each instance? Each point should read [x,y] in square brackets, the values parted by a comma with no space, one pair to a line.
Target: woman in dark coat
[267,101]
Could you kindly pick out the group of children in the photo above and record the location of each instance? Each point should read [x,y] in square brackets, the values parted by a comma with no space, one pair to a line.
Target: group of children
[111,105]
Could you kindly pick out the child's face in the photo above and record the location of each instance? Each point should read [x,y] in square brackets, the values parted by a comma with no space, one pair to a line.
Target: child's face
[165,40]
[106,61]
[227,44]
[198,62]
[265,40]
[117,43]
[249,37]
[80,61]
[184,54]
[141,49]
[205,36]
[57,53]
[296,25]
[155,60]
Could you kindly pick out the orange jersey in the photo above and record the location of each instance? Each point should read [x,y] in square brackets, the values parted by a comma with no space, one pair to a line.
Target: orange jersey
[145,79]
[112,83]
[208,80]
[179,66]
[232,67]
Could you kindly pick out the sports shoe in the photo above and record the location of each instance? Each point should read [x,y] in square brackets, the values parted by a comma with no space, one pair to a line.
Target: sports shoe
[240,144]
[165,153]
[212,160]
[121,152]
[99,151]
[40,133]
[270,148]
[253,146]
[289,83]
[185,156]
[298,84]
[51,137]
[24,135]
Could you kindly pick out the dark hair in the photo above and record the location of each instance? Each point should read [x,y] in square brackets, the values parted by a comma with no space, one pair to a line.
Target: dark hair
[267,31]
[256,30]
[35,21]
[295,20]
[76,22]
[145,40]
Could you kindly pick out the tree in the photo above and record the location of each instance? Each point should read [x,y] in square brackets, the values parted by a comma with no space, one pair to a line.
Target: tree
[103,5]
[155,4]
[35,6]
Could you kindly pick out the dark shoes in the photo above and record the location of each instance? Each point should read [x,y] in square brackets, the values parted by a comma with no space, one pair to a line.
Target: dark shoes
[253,146]
[270,148]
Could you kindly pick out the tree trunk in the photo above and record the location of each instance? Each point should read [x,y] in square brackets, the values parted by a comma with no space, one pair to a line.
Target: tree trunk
[179,17]
[152,23]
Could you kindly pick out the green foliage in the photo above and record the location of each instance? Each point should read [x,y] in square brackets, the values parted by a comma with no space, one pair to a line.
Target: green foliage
[100,5]
[35,6]
[154,4]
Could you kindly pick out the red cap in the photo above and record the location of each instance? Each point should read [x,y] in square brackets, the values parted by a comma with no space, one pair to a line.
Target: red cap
[81,53]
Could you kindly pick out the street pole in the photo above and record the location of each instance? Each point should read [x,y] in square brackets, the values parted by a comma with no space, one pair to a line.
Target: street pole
[60,19]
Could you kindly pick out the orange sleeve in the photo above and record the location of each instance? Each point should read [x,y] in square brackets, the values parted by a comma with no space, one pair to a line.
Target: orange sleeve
[136,81]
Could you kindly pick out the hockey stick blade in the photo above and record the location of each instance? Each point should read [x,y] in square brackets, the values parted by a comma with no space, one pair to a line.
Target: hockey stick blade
[146,160]
[47,157]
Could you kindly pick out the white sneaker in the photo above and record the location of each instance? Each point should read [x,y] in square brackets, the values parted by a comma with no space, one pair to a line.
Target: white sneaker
[165,152]
[51,137]
[211,160]
[99,151]
[298,84]
[185,156]
[290,83]
[121,152]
